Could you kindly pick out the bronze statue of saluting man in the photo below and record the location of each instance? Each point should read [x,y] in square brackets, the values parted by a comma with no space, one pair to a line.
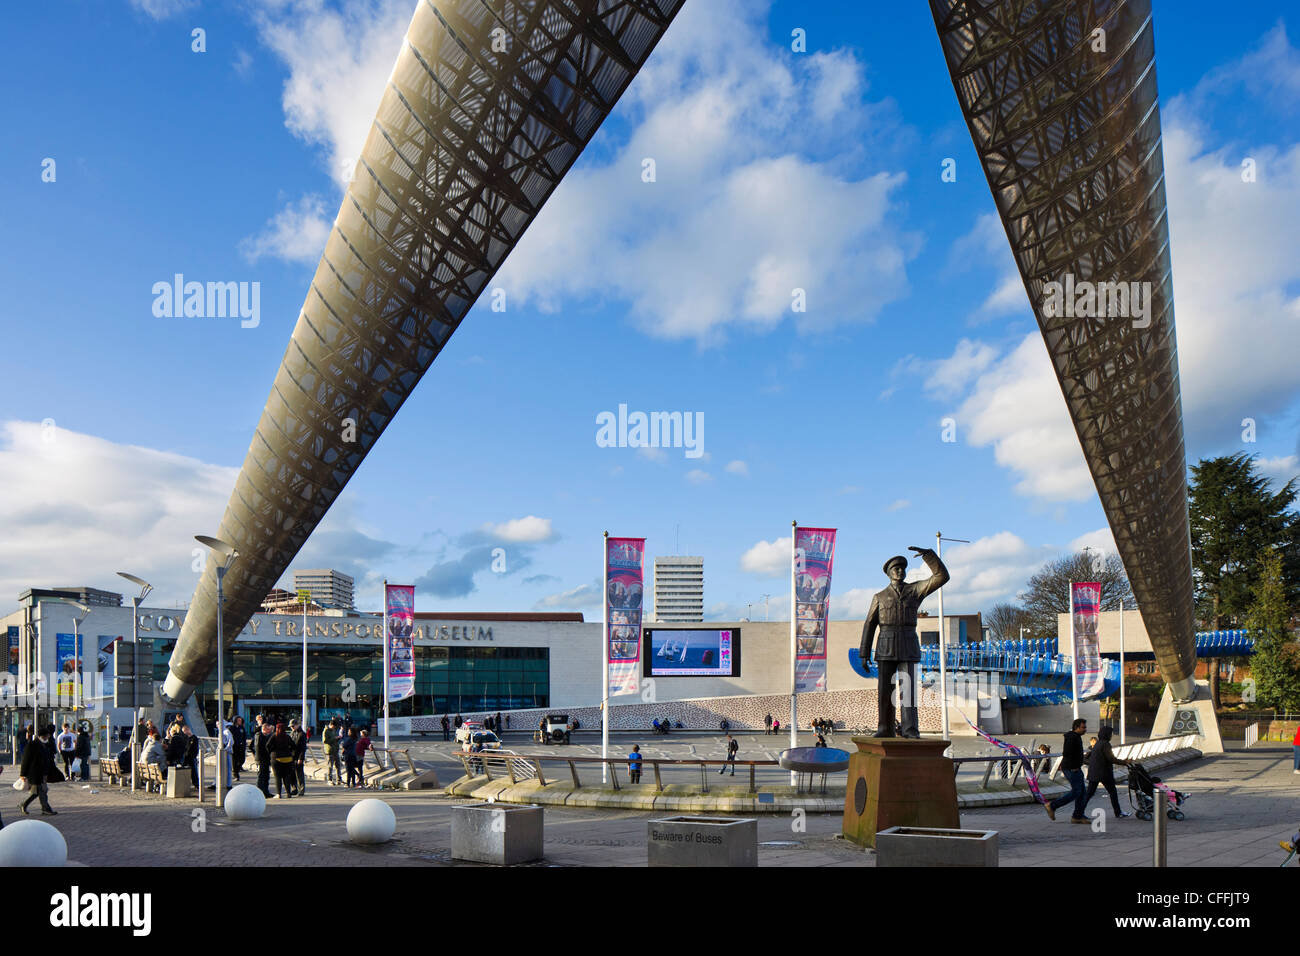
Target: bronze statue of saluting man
[893,611]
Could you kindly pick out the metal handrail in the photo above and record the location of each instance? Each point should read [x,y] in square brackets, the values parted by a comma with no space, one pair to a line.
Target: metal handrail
[485,760]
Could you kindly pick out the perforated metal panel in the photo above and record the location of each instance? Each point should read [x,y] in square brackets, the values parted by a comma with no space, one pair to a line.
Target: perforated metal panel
[1069,138]
[488,106]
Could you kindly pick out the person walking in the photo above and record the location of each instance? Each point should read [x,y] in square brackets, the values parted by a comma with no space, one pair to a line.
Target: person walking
[634,764]
[263,757]
[330,740]
[767,724]
[446,727]
[350,756]
[33,774]
[67,749]
[1072,767]
[1101,770]
[238,746]
[363,744]
[732,747]
[281,749]
[299,737]
[83,753]
[1295,751]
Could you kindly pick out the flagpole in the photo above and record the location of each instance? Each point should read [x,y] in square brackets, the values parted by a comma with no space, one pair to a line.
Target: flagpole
[385,663]
[1122,722]
[604,656]
[1074,654]
[794,696]
[943,654]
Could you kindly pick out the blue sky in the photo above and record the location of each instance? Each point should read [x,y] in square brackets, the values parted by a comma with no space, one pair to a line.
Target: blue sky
[773,170]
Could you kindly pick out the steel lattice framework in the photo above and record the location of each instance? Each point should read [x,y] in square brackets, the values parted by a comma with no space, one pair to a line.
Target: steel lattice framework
[489,104]
[1069,138]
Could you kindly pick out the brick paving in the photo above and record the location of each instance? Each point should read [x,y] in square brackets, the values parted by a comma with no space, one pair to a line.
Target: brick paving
[1242,804]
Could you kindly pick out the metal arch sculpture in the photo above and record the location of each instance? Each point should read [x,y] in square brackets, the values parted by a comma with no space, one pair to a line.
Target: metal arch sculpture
[1069,138]
[489,104]
[471,139]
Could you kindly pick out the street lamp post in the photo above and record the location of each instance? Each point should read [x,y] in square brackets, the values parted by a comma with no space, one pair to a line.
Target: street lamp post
[145,588]
[939,539]
[227,554]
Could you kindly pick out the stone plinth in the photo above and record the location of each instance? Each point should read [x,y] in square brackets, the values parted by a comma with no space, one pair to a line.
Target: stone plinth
[179,783]
[895,782]
[702,841]
[928,846]
[499,833]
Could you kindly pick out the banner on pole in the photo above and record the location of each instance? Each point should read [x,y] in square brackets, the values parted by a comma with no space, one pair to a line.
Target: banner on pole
[68,665]
[399,610]
[814,553]
[13,650]
[624,591]
[1085,606]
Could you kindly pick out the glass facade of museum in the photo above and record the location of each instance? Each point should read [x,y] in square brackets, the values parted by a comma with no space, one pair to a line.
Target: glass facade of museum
[447,679]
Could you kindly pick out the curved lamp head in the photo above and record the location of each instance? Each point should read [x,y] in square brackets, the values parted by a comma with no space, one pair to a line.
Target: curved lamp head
[223,549]
[145,586]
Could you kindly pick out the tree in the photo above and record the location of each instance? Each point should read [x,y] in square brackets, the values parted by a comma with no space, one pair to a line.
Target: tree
[1006,620]
[1236,519]
[1048,592]
[1276,665]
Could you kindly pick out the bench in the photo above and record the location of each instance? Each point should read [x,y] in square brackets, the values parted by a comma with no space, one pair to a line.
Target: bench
[113,770]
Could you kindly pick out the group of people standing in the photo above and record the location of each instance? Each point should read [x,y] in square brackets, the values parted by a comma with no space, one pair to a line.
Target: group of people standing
[345,743]
[280,750]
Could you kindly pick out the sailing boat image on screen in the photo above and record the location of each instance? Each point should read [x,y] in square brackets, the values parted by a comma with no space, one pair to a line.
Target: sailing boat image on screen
[676,652]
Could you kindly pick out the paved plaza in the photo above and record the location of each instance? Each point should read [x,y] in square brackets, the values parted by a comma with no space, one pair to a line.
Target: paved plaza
[1242,803]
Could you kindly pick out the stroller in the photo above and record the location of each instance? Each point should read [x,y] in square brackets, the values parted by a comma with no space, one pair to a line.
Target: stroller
[1142,794]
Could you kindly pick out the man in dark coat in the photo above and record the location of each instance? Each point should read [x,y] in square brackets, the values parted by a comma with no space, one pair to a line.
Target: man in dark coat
[263,757]
[893,611]
[238,746]
[190,755]
[299,738]
[35,770]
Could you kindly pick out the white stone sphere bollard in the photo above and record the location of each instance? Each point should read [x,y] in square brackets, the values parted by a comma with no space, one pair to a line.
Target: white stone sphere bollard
[371,821]
[245,802]
[32,843]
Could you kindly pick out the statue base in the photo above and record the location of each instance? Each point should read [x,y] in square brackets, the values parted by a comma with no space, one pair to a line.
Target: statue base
[896,782]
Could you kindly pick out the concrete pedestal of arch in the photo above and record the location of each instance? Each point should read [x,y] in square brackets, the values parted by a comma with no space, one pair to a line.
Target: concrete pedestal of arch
[1195,716]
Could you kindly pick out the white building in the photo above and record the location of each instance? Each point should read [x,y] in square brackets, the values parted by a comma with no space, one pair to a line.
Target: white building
[329,588]
[679,590]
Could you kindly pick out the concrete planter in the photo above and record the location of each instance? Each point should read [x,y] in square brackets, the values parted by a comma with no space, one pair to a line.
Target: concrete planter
[499,833]
[179,783]
[702,841]
[930,846]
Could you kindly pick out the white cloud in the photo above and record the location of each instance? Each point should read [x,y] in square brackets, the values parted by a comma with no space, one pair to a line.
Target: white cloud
[1100,540]
[769,559]
[77,508]
[297,233]
[1281,469]
[698,477]
[583,596]
[657,455]
[163,9]
[899,505]
[734,221]
[339,62]
[853,603]
[737,467]
[529,529]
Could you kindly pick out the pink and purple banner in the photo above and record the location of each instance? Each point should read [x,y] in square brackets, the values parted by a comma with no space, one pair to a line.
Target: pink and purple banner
[814,553]
[1085,615]
[399,628]
[624,591]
